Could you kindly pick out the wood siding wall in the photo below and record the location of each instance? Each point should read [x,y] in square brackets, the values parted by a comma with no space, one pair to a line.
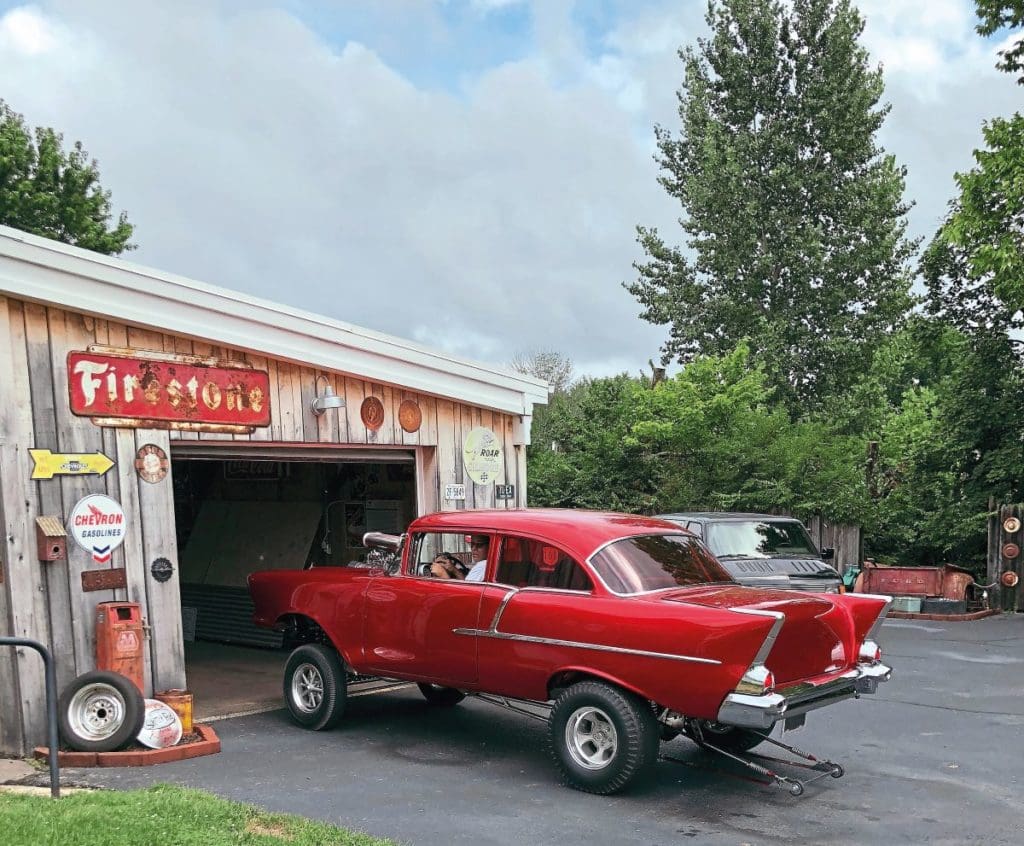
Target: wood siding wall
[45,601]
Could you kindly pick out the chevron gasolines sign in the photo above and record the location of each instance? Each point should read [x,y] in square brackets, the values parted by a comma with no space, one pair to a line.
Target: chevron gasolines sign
[98,525]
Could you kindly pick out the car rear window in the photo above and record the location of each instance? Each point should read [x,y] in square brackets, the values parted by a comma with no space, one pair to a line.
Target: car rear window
[654,562]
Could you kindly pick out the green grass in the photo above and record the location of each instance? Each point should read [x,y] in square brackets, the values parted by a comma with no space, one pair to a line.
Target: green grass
[159,816]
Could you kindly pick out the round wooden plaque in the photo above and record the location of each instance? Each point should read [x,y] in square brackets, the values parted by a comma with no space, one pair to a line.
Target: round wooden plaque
[409,415]
[372,412]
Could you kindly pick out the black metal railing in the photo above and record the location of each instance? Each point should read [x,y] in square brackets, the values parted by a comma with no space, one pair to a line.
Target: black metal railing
[51,705]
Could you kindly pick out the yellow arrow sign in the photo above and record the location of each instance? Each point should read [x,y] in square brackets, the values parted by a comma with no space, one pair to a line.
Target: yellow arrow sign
[49,464]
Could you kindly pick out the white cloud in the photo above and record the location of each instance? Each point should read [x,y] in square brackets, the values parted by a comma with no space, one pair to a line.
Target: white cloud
[25,31]
[253,153]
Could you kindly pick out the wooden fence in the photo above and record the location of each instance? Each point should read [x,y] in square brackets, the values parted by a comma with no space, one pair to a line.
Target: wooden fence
[843,537]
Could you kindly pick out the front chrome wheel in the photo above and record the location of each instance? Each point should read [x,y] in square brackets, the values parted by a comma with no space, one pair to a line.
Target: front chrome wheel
[307,688]
[590,738]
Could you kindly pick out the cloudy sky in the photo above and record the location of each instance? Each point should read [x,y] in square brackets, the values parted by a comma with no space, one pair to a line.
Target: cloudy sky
[466,173]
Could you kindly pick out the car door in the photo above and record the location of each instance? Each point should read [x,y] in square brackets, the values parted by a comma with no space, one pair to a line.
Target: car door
[412,621]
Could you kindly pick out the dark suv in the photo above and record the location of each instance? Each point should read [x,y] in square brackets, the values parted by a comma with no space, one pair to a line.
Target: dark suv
[763,550]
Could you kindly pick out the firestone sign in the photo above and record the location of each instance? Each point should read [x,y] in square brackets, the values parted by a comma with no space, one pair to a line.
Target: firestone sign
[166,390]
[98,525]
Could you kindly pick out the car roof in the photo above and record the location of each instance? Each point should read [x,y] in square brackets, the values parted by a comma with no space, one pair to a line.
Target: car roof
[724,515]
[578,531]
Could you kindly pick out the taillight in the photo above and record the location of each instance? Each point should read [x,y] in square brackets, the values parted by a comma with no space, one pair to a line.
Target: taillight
[870,652]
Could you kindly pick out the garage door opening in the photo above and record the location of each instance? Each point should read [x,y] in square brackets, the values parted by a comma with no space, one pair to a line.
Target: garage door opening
[235,515]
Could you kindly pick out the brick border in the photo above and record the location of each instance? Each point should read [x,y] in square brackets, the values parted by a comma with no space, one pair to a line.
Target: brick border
[947,618]
[209,744]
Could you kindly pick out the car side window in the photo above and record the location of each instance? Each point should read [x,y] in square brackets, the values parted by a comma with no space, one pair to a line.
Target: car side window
[428,546]
[528,563]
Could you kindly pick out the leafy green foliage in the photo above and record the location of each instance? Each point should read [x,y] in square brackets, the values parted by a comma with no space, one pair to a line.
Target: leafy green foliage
[166,815]
[995,15]
[985,228]
[707,438]
[56,194]
[794,215]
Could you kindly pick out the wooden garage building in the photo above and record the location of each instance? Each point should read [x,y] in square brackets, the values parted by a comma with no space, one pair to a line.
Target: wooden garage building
[98,355]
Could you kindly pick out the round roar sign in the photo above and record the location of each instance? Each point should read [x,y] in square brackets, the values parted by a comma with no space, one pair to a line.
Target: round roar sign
[98,526]
[481,453]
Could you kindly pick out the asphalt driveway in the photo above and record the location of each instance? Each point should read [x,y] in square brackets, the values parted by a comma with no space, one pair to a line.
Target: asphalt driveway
[937,756]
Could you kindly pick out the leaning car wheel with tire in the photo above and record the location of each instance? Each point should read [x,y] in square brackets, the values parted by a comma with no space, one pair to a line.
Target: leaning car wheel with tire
[100,711]
[602,738]
[315,686]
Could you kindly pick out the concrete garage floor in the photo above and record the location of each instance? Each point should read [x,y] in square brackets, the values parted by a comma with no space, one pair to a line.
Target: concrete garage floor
[230,680]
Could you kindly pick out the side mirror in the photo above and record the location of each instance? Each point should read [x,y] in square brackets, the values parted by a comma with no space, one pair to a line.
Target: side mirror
[828,553]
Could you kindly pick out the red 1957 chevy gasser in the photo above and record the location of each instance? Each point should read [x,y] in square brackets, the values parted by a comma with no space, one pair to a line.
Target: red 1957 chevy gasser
[626,627]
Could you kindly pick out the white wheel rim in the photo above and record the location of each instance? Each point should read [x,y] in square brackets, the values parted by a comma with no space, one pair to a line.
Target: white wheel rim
[96,711]
[307,688]
[591,738]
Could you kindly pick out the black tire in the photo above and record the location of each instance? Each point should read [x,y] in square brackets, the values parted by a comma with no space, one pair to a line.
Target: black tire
[444,697]
[602,738]
[730,738]
[315,686]
[100,711]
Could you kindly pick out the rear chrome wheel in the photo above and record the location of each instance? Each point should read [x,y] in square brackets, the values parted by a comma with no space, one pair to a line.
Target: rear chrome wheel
[602,738]
[590,738]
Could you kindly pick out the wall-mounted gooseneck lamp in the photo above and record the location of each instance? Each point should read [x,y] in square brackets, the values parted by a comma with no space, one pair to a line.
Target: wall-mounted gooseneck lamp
[329,400]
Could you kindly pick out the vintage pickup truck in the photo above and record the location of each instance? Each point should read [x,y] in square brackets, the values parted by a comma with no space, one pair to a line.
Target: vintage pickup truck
[626,627]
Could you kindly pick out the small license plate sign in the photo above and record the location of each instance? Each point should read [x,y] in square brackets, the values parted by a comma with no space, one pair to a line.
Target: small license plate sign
[504,491]
[104,579]
[793,723]
[454,491]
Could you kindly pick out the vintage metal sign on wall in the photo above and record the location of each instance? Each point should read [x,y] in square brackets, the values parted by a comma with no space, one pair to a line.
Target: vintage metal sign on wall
[165,390]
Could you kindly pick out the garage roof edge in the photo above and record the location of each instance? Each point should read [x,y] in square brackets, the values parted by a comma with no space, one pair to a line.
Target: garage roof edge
[60,275]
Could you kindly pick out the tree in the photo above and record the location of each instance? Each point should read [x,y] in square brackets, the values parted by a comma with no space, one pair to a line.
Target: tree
[985,227]
[549,365]
[56,194]
[995,15]
[794,215]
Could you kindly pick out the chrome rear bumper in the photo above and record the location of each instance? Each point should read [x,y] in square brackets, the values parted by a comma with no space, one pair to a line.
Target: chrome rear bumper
[762,712]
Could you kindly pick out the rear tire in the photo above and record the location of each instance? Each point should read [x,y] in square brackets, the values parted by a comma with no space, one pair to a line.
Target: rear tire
[100,711]
[443,697]
[315,686]
[602,738]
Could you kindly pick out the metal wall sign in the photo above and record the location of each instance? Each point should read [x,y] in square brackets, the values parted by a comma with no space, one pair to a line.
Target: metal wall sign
[104,579]
[98,525]
[481,452]
[164,390]
[49,464]
[151,463]
[454,491]
[504,491]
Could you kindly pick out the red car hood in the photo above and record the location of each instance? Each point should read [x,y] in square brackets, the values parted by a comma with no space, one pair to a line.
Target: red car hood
[817,637]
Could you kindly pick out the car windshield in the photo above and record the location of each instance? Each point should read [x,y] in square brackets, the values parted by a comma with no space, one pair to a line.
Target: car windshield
[759,539]
[654,562]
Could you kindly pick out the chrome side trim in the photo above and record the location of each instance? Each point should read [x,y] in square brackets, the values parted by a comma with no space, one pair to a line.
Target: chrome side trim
[773,633]
[501,610]
[621,650]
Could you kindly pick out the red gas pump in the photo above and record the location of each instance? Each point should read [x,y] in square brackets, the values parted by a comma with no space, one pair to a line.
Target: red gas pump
[119,640]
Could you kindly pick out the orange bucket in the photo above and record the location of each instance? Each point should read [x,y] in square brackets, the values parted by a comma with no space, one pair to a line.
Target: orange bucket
[179,701]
